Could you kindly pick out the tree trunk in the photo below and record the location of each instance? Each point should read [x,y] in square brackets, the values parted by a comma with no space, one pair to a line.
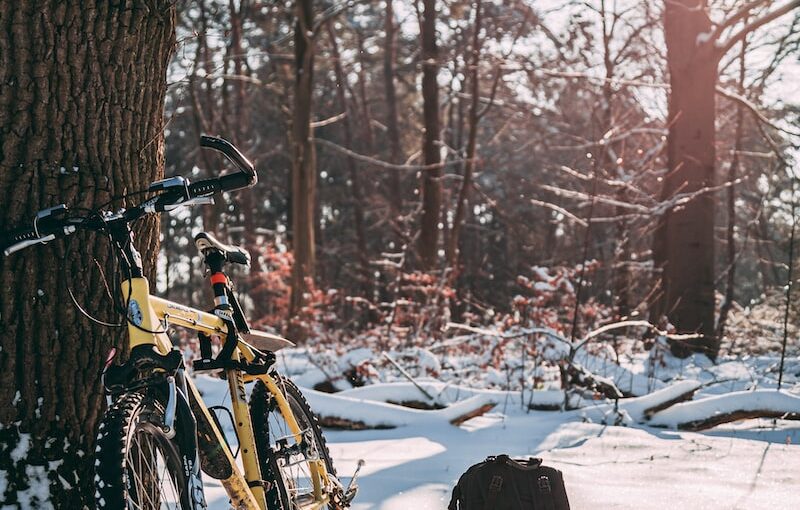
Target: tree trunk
[472,143]
[304,165]
[81,119]
[684,243]
[428,242]
[392,125]
[733,171]
[352,169]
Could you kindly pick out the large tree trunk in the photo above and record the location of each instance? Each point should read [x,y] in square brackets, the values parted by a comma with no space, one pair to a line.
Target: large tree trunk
[304,164]
[428,241]
[81,118]
[684,244]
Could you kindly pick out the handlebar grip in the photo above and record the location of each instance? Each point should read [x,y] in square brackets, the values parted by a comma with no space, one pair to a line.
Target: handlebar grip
[231,152]
[227,182]
[18,239]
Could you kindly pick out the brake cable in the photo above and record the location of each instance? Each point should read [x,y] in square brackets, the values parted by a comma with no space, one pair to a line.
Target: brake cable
[121,308]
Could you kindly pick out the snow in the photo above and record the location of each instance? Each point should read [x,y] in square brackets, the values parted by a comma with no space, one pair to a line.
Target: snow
[628,381]
[383,415]
[604,466]
[20,451]
[445,394]
[751,464]
[758,400]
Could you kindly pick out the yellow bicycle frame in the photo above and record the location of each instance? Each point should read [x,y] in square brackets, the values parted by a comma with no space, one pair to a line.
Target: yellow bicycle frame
[156,313]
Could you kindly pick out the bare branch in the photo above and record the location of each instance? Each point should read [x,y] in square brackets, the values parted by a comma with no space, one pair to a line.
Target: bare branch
[384,164]
[328,121]
[561,210]
[737,17]
[724,46]
[754,110]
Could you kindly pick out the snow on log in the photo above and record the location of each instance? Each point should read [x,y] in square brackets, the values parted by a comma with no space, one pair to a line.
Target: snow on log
[712,411]
[640,409]
[643,408]
[446,394]
[358,413]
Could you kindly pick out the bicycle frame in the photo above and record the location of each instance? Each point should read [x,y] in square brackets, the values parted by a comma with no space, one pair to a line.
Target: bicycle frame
[153,313]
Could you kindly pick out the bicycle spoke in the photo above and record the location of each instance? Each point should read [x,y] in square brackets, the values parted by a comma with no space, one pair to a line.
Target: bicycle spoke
[153,488]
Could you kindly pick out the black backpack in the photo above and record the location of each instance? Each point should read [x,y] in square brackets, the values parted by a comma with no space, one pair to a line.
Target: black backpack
[503,483]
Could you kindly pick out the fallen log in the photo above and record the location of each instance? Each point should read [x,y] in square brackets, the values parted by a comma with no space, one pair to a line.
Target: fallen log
[741,405]
[574,374]
[640,409]
[485,408]
[353,413]
[720,419]
[667,397]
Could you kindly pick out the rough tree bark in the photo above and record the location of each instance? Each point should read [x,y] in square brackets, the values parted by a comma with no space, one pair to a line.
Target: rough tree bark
[81,118]
[304,164]
[683,245]
[684,242]
[428,241]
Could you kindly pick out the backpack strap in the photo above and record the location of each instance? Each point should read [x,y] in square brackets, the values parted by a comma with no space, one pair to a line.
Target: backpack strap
[544,489]
[495,486]
[455,498]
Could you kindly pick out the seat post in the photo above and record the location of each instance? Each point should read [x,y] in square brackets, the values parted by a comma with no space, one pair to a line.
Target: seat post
[215,261]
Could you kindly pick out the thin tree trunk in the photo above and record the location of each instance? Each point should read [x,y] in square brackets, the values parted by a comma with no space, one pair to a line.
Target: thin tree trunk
[428,241]
[304,167]
[469,166]
[81,119]
[205,115]
[362,92]
[684,243]
[392,124]
[621,278]
[730,284]
[358,199]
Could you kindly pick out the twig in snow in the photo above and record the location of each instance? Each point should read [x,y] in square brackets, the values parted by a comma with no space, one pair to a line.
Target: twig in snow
[407,375]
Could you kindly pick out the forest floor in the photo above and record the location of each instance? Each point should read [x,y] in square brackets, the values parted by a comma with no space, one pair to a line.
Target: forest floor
[750,464]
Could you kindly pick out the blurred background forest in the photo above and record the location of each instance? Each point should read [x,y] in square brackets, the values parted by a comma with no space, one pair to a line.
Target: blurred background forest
[590,199]
[490,163]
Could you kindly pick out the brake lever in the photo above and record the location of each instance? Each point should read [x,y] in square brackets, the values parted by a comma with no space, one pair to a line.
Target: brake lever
[191,201]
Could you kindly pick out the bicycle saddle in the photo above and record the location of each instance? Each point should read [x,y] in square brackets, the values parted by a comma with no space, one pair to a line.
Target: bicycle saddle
[205,241]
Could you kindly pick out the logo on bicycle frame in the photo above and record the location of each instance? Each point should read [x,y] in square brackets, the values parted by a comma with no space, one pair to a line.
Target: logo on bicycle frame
[135,313]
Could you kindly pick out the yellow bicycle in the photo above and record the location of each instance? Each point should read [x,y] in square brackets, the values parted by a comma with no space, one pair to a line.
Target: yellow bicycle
[157,434]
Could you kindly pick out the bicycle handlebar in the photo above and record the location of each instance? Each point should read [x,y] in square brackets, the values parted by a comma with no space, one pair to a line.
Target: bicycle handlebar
[52,223]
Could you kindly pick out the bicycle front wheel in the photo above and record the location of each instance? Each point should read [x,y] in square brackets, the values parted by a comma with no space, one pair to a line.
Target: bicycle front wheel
[285,464]
[137,467]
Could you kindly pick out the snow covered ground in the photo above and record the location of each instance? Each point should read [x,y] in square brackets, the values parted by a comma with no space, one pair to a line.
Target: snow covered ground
[605,467]
[753,464]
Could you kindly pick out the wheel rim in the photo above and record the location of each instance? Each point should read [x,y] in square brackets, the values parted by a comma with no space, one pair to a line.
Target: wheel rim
[149,481]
